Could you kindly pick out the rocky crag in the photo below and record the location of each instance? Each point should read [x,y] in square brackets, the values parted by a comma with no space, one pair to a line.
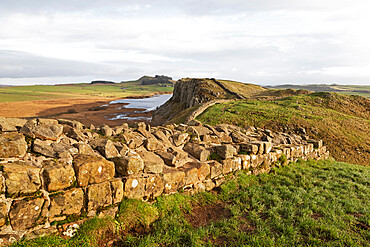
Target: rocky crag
[188,93]
[52,170]
[191,96]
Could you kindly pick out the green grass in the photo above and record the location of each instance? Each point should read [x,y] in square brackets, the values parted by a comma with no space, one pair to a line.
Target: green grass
[343,122]
[360,90]
[302,204]
[44,92]
[363,94]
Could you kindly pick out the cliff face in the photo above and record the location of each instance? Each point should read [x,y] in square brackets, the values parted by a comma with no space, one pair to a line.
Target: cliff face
[189,92]
[192,92]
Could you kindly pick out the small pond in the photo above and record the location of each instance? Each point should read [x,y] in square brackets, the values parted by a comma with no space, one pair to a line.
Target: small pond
[143,104]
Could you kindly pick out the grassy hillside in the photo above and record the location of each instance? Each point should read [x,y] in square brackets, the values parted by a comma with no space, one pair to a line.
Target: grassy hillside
[343,89]
[303,204]
[244,89]
[343,122]
[43,92]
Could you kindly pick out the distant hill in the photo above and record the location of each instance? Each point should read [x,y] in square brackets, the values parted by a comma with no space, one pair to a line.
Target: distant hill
[102,82]
[344,89]
[150,80]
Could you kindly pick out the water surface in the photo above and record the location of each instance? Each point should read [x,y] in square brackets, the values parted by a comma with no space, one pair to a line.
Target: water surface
[143,104]
[149,104]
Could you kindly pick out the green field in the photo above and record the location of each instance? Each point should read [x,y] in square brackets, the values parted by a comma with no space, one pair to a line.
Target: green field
[343,89]
[45,92]
[309,203]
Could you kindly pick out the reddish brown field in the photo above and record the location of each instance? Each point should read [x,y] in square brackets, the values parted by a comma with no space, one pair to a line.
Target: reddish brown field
[88,111]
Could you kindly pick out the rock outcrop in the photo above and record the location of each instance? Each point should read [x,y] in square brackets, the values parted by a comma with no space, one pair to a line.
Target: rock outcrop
[188,93]
[70,169]
[158,79]
[192,93]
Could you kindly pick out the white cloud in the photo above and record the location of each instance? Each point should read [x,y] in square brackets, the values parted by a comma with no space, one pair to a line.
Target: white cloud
[265,41]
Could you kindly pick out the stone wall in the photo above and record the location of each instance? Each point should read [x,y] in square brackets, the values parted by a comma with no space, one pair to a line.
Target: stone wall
[55,169]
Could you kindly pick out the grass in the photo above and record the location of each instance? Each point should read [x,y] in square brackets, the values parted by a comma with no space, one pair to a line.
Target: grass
[343,122]
[363,94]
[360,90]
[243,89]
[302,204]
[44,92]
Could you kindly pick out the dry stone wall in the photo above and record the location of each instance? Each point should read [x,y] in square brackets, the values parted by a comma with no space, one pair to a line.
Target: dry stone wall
[55,169]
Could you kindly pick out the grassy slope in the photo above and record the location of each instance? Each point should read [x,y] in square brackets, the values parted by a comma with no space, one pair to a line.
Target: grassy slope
[243,89]
[43,92]
[343,122]
[343,89]
[306,203]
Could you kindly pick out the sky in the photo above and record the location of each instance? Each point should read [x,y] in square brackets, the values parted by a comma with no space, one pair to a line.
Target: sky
[267,42]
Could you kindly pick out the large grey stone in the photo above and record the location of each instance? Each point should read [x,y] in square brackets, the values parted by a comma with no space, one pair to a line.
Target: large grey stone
[44,148]
[117,190]
[3,213]
[73,123]
[66,203]
[74,133]
[216,169]
[91,169]
[152,144]
[163,138]
[225,151]
[43,131]
[106,130]
[129,164]
[191,173]
[173,156]
[58,176]
[239,137]
[21,178]
[173,180]
[198,151]
[11,124]
[99,195]
[133,139]
[105,148]
[134,187]
[180,138]
[24,213]
[154,186]
[152,162]
[12,144]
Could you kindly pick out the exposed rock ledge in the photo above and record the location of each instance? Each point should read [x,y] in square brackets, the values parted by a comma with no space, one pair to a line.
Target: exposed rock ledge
[52,169]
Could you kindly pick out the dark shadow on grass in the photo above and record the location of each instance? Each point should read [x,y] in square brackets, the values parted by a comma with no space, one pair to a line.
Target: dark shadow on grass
[203,215]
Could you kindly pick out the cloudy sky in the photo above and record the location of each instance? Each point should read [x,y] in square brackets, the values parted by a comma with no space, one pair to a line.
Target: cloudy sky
[261,41]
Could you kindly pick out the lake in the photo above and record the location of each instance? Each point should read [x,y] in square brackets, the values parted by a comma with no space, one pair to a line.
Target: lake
[143,105]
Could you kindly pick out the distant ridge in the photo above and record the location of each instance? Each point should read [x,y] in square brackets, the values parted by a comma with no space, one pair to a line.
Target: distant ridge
[149,80]
[334,88]
[102,82]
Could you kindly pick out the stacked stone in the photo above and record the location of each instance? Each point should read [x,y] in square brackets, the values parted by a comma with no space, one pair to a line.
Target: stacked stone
[52,169]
